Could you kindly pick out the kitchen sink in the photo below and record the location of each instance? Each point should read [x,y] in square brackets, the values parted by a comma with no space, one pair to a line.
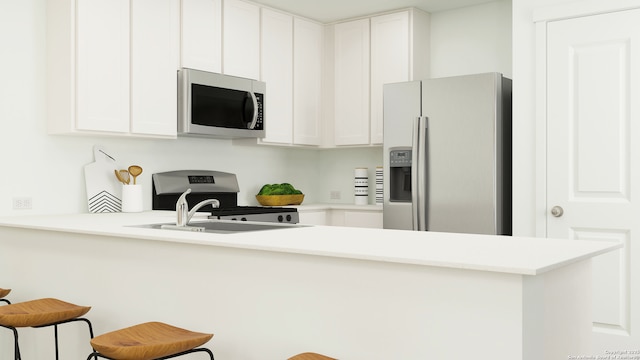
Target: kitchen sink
[222,226]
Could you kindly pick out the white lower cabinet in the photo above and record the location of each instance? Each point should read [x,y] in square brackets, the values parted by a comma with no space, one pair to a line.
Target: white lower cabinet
[313,217]
[339,216]
[111,67]
[356,218]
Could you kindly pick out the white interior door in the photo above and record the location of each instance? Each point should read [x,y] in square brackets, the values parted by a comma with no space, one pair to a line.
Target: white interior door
[593,159]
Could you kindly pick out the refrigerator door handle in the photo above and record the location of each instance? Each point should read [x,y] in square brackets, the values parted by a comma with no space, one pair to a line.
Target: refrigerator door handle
[419,174]
[423,143]
[415,164]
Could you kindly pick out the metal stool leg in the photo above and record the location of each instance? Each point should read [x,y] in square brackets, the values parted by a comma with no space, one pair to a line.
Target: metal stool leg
[16,347]
[96,354]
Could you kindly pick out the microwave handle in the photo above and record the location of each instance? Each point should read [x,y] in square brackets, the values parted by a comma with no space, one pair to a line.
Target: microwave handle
[255,110]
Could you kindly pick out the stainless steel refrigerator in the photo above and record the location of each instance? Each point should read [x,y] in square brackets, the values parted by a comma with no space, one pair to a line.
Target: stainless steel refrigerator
[447,155]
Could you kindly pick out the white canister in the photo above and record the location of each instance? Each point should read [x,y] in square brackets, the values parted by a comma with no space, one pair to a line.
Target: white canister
[361,186]
[131,198]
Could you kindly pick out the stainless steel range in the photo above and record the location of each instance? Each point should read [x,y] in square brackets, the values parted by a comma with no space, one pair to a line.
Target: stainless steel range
[205,184]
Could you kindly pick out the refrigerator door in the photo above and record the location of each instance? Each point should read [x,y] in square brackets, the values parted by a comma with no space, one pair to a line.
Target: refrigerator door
[402,105]
[462,160]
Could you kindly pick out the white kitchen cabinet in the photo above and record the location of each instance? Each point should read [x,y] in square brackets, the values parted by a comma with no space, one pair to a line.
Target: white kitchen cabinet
[313,217]
[202,35]
[399,51]
[351,83]
[153,67]
[356,218]
[241,39]
[291,66]
[277,73]
[102,70]
[307,82]
[99,79]
[369,216]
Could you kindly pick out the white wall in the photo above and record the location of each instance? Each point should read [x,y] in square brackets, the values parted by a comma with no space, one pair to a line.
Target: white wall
[470,40]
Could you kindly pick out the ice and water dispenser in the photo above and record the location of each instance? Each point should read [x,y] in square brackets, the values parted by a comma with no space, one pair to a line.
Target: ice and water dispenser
[400,174]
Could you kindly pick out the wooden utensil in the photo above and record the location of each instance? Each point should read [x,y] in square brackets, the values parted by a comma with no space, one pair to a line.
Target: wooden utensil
[124,175]
[119,177]
[135,170]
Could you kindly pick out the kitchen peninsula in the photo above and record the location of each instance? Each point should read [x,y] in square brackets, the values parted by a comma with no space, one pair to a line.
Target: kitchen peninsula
[350,293]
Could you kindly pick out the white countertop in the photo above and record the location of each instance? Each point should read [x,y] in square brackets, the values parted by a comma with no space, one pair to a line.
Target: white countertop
[517,255]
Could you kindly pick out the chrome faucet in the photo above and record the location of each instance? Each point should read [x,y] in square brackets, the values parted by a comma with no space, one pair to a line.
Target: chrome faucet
[183,215]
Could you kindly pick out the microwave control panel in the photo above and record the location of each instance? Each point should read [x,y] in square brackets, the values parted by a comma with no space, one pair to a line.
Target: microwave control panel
[260,121]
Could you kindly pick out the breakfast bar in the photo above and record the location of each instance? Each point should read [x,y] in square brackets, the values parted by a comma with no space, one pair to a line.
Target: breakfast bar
[349,293]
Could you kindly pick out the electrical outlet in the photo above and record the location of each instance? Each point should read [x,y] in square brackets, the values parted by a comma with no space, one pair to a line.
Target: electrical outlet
[334,195]
[22,203]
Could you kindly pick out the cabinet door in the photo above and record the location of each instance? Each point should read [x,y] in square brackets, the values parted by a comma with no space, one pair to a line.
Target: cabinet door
[102,72]
[241,39]
[277,73]
[153,67]
[389,62]
[307,82]
[202,35]
[352,83]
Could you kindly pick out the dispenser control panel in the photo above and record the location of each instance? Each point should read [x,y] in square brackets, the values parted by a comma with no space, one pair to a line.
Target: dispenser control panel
[400,158]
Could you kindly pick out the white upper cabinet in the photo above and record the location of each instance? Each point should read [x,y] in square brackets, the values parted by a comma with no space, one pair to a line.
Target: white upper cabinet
[291,66]
[277,73]
[154,52]
[351,83]
[201,35]
[241,39]
[111,67]
[389,62]
[102,70]
[399,51]
[307,82]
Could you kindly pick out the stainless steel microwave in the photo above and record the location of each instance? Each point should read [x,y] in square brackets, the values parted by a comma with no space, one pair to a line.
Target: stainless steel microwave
[221,106]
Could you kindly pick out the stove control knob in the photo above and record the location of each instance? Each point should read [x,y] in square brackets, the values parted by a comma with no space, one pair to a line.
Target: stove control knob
[280,218]
[243,219]
[288,218]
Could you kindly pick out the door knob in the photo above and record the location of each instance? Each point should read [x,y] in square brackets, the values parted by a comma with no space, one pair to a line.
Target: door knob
[557,211]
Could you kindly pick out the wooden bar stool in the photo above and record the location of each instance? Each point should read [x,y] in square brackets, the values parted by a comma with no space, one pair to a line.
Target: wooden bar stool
[310,356]
[3,293]
[149,341]
[40,313]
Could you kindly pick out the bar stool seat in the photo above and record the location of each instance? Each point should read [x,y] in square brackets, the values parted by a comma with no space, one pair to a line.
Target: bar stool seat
[41,313]
[3,293]
[310,356]
[152,340]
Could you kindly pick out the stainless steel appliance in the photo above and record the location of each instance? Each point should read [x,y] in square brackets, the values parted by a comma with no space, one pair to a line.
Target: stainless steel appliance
[222,106]
[205,184]
[447,155]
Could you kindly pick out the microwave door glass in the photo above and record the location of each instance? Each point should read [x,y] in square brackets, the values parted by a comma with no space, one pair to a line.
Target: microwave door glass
[219,107]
